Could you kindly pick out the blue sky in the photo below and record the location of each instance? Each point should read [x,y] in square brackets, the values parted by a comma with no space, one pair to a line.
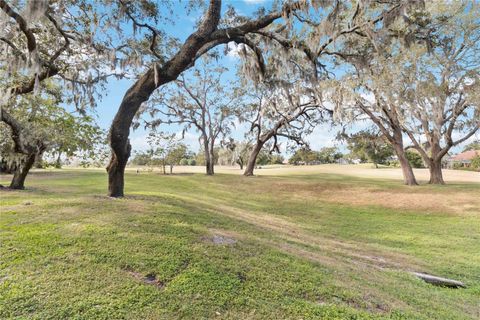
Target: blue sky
[322,136]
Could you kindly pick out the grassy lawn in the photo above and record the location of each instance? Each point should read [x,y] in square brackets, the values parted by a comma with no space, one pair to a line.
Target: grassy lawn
[229,247]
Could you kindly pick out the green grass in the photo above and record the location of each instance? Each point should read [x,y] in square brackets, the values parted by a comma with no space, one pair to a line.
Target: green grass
[67,251]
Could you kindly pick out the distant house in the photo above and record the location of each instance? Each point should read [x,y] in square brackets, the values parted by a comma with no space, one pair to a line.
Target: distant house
[463,159]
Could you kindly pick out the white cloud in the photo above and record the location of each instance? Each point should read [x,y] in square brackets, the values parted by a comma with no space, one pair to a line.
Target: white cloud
[323,136]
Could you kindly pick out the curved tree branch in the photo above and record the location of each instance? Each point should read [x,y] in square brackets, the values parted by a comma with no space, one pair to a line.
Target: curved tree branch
[22,24]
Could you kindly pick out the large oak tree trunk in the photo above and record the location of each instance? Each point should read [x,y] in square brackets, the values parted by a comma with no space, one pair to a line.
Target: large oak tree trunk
[252,159]
[209,159]
[18,181]
[435,161]
[407,171]
[209,156]
[120,130]
[116,172]
[209,167]
[213,159]
[206,155]
[436,176]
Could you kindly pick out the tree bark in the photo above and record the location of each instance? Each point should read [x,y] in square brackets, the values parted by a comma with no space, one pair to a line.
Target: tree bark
[435,161]
[18,180]
[209,163]
[213,160]
[252,159]
[407,171]
[209,156]
[206,152]
[210,167]
[435,168]
[116,171]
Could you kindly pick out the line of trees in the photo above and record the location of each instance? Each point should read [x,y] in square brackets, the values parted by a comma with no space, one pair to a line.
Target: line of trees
[305,155]
[168,150]
[410,68]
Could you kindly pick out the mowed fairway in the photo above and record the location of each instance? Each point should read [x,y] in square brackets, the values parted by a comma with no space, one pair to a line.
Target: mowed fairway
[286,246]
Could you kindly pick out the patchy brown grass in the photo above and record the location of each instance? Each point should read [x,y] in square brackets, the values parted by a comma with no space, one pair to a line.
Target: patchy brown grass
[459,203]
[425,199]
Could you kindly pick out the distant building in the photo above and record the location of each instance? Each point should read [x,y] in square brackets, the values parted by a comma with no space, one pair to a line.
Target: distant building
[463,159]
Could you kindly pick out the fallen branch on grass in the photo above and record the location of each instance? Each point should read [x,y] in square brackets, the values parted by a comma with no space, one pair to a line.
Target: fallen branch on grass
[438,281]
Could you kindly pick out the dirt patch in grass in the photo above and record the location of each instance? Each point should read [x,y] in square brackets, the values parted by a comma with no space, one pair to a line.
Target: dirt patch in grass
[221,237]
[219,240]
[149,279]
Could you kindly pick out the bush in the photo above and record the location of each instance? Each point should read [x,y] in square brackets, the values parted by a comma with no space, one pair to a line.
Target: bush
[415,159]
[457,165]
[393,163]
[276,159]
[192,162]
[184,162]
[475,163]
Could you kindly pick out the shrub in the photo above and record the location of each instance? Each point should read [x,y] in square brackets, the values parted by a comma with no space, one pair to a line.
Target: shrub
[184,162]
[415,159]
[457,165]
[475,163]
[192,162]
[393,163]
